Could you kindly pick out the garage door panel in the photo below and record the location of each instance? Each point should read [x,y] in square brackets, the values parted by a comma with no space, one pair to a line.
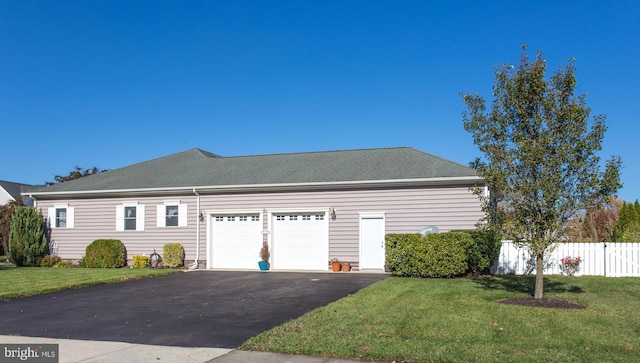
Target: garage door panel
[236,241]
[300,241]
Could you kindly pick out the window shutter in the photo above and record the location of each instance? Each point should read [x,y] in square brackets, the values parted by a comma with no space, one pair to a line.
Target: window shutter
[160,215]
[182,215]
[120,218]
[51,214]
[70,217]
[140,218]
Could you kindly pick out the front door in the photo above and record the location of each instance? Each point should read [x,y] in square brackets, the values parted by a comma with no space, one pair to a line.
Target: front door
[372,230]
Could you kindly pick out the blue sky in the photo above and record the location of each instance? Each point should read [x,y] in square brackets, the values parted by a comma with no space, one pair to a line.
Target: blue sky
[112,83]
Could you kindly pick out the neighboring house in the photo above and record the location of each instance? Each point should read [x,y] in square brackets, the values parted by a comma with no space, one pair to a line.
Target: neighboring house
[309,207]
[10,192]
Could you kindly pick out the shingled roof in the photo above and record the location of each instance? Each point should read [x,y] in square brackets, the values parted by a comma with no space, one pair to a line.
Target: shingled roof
[196,168]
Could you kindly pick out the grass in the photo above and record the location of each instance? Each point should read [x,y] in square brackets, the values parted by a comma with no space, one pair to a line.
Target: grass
[459,320]
[26,281]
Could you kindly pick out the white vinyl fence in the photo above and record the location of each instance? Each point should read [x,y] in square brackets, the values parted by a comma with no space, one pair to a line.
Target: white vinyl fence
[598,259]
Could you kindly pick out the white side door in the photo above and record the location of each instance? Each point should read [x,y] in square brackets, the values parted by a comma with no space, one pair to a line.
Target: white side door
[372,231]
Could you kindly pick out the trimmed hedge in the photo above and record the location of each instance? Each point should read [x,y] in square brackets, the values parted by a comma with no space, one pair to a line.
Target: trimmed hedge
[485,250]
[173,255]
[105,253]
[433,255]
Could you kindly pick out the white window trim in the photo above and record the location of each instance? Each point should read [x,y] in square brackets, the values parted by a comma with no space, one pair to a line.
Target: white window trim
[70,216]
[161,214]
[140,218]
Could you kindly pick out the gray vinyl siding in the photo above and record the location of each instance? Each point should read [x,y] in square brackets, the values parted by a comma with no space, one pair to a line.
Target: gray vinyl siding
[96,219]
[406,211]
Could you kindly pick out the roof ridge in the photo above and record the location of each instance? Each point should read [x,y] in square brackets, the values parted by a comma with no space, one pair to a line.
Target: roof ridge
[318,152]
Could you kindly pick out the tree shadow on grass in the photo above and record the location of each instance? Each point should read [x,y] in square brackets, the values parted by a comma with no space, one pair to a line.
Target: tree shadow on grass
[525,284]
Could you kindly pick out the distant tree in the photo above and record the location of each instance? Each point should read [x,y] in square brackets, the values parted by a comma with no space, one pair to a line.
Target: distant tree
[628,226]
[540,152]
[27,238]
[77,173]
[599,222]
[6,213]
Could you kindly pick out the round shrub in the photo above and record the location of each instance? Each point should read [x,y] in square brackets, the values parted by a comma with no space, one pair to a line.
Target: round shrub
[105,253]
[140,261]
[173,255]
[49,261]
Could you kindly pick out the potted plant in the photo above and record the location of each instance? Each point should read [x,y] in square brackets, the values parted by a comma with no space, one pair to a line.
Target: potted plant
[264,257]
[346,267]
[335,265]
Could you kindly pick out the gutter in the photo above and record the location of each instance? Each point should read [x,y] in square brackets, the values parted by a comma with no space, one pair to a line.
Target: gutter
[270,187]
[195,262]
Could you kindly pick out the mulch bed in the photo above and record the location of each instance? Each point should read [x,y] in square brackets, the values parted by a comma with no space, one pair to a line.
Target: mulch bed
[542,303]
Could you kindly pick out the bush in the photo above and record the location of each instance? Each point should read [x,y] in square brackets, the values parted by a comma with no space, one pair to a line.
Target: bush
[140,261]
[62,264]
[433,255]
[105,253]
[49,261]
[173,255]
[27,238]
[485,250]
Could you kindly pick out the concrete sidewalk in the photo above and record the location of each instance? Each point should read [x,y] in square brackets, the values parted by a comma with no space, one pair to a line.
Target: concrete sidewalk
[86,351]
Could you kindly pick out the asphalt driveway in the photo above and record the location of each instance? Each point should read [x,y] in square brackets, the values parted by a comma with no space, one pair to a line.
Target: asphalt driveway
[219,309]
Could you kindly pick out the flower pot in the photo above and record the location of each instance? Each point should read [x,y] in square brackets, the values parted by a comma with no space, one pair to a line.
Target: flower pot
[335,266]
[346,267]
[264,265]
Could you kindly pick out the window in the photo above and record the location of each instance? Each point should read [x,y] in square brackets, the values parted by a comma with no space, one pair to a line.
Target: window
[306,217]
[130,217]
[171,214]
[280,218]
[61,216]
[293,218]
[255,218]
[243,218]
[219,219]
[319,217]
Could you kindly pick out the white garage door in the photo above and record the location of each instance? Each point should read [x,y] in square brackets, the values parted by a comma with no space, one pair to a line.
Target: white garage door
[236,240]
[300,241]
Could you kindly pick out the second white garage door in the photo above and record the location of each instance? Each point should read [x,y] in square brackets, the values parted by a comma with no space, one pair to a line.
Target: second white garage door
[300,241]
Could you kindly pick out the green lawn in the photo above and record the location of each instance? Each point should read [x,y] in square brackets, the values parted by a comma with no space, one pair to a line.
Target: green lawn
[25,281]
[459,320]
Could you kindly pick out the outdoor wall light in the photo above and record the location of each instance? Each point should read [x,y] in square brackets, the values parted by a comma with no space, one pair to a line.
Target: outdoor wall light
[332,214]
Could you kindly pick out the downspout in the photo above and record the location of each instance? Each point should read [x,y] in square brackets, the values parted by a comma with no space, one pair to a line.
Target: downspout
[195,262]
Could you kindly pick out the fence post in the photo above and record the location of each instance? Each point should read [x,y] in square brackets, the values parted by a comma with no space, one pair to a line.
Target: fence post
[605,258]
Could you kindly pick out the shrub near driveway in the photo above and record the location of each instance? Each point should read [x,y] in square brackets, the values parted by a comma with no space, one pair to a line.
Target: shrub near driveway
[457,320]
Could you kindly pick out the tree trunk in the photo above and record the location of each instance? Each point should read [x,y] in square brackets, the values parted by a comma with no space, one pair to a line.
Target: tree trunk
[539,290]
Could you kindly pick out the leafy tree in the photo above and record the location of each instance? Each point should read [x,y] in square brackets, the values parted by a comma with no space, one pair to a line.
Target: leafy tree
[27,238]
[597,224]
[540,152]
[628,227]
[77,173]
[6,213]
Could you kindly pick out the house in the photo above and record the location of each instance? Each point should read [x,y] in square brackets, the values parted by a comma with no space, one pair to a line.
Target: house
[309,207]
[10,191]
